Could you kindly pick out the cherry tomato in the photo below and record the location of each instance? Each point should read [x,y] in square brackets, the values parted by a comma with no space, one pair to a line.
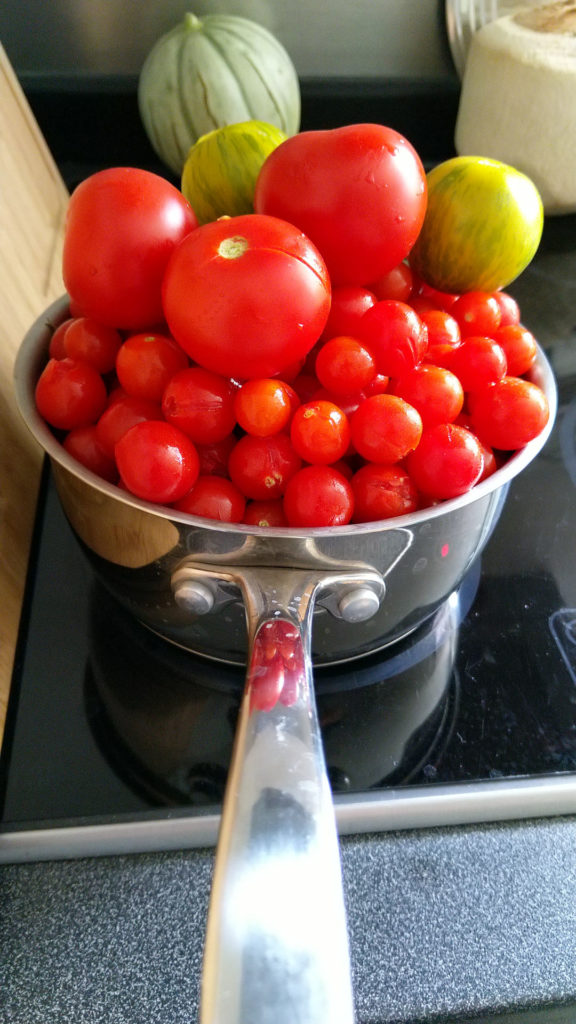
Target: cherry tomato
[83,445]
[262,466]
[93,343]
[344,365]
[157,462]
[397,284]
[277,295]
[509,308]
[477,313]
[509,414]
[214,457]
[359,192]
[349,303]
[395,335]
[56,348]
[213,497]
[448,461]
[435,392]
[385,428]
[121,227]
[146,362]
[122,412]
[200,404]
[478,361]
[320,432]
[443,335]
[265,513]
[381,492]
[70,393]
[519,346]
[263,406]
[318,496]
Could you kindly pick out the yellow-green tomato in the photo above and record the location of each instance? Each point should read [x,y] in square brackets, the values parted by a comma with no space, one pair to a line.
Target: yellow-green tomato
[482,228]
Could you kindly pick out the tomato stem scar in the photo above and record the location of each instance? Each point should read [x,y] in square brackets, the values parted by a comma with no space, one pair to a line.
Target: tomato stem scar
[232,248]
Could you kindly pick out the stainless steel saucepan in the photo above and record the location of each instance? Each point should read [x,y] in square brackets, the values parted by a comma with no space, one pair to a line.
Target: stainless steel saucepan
[277,599]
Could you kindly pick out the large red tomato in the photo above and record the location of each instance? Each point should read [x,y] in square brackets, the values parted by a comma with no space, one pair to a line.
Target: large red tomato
[121,227]
[358,192]
[246,296]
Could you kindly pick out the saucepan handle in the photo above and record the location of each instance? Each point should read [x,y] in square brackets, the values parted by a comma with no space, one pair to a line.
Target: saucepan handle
[277,943]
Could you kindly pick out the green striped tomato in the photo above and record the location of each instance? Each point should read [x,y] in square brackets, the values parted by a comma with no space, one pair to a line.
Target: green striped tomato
[219,176]
[482,227]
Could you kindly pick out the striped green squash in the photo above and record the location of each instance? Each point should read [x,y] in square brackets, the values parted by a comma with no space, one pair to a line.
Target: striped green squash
[210,72]
[221,169]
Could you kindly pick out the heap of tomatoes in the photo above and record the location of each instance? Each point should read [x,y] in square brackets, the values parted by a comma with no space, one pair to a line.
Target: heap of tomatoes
[286,367]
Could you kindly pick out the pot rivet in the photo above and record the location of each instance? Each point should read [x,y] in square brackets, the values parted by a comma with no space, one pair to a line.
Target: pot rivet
[193,596]
[359,604]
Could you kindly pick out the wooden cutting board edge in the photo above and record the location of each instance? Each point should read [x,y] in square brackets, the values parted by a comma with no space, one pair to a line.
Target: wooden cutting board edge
[33,203]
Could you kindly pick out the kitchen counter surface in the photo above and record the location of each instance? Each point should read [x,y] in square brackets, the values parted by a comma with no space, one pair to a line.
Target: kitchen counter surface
[449,924]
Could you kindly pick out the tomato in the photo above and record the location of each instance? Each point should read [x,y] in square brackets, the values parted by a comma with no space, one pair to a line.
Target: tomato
[320,432]
[276,289]
[92,342]
[146,362]
[83,445]
[435,392]
[318,496]
[509,308]
[56,348]
[443,335]
[265,513]
[519,345]
[348,305]
[262,466]
[359,192]
[382,492]
[385,428]
[200,404]
[157,462]
[214,457]
[478,362]
[482,227]
[70,393]
[395,335]
[122,412]
[510,413]
[477,313]
[121,227]
[448,461]
[344,365]
[397,284]
[213,497]
[263,406]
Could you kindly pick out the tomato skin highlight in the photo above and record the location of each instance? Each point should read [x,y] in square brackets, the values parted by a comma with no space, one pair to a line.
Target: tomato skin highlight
[276,288]
[359,192]
[122,224]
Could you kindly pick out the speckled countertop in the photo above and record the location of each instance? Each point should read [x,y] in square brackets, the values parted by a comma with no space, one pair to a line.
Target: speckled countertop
[445,925]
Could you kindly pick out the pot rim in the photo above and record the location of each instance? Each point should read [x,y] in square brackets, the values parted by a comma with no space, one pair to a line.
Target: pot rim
[32,355]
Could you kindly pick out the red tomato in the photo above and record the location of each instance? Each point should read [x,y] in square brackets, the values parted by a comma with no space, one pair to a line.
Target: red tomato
[519,346]
[478,361]
[83,445]
[349,303]
[265,513]
[448,461]
[381,492]
[320,432]
[344,365]
[397,284]
[359,192]
[157,462]
[262,466]
[509,413]
[436,393]
[213,497]
[443,335]
[395,335]
[70,394]
[318,496]
[92,342]
[385,428]
[146,362]
[263,406]
[122,412]
[246,296]
[200,404]
[477,313]
[121,227]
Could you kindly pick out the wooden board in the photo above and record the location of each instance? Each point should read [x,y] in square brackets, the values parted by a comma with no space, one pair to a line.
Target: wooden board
[33,201]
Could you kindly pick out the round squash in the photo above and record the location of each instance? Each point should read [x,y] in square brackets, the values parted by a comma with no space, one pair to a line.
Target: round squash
[210,72]
[482,227]
[221,169]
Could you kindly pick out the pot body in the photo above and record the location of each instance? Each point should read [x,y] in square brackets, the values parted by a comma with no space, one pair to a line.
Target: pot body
[139,550]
